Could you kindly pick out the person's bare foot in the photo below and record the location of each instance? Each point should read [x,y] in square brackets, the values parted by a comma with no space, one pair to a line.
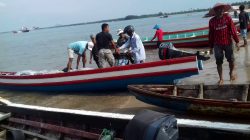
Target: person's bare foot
[233,77]
[221,82]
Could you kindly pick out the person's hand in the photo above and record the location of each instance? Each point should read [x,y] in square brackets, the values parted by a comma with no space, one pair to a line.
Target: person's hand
[211,50]
[117,51]
[238,46]
[90,61]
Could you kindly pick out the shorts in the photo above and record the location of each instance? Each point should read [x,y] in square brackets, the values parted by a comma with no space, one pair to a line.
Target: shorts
[243,33]
[106,55]
[71,53]
[219,53]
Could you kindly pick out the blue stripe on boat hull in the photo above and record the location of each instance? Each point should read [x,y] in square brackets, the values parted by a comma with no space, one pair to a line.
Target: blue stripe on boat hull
[182,106]
[102,86]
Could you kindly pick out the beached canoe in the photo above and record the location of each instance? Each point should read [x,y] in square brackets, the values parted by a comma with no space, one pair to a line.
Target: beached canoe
[226,100]
[53,123]
[115,78]
[193,38]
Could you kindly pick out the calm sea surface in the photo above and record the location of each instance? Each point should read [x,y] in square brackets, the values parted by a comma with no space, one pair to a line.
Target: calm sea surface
[46,50]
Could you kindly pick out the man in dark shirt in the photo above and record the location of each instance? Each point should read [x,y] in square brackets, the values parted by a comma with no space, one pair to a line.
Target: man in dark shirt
[94,52]
[103,42]
[244,20]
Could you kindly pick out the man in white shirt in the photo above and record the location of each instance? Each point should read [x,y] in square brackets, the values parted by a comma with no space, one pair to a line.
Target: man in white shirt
[135,44]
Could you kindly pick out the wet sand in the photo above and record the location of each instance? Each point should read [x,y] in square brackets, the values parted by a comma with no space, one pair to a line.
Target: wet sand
[124,102]
[210,76]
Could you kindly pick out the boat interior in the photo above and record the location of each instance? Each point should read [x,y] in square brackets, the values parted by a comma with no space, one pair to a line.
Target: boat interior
[235,93]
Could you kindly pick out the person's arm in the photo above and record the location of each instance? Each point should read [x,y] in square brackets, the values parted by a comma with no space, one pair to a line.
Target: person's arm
[247,18]
[211,37]
[234,31]
[78,61]
[154,36]
[125,45]
[84,59]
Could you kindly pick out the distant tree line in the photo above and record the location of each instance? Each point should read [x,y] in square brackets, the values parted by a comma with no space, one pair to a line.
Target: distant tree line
[130,17]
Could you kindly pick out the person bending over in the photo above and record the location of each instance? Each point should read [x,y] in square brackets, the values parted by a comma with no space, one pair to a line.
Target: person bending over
[78,48]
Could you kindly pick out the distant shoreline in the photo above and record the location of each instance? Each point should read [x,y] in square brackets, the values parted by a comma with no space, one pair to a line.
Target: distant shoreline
[132,17]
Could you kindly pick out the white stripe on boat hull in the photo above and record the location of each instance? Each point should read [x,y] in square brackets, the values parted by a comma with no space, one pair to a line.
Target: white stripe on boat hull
[104,75]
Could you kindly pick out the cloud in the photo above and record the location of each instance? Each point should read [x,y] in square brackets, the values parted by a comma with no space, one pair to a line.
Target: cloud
[2,4]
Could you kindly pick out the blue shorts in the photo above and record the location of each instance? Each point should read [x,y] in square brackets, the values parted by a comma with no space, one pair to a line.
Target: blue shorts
[243,33]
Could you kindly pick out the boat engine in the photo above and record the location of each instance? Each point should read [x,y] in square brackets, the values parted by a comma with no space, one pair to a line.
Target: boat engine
[150,125]
[168,51]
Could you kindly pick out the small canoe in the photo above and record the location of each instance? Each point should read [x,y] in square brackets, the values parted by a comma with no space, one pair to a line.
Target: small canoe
[53,123]
[182,39]
[226,100]
[115,78]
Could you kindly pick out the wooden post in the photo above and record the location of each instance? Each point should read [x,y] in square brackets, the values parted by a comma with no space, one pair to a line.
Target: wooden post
[175,91]
[201,92]
[245,93]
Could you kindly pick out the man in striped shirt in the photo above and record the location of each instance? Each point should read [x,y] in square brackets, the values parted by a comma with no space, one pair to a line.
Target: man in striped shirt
[221,32]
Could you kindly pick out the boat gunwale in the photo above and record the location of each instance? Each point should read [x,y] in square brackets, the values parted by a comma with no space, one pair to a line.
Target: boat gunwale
[205,102]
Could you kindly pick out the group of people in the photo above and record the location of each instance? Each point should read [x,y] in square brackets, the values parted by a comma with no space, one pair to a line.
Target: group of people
[221,32]
[101,47]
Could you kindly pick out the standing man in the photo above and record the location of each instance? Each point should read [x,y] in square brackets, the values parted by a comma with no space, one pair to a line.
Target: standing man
[78,48]
[158,35]
[94,52]
[244,20]
[136,45]
[103,41]
[221,32]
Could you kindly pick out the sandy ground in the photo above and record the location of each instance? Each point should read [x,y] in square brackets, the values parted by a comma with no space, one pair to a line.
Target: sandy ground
[210,76]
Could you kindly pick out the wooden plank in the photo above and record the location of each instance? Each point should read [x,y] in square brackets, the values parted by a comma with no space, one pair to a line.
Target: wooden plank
[201,92]
[55,128]
[175,91]
[245,93]
[27,132]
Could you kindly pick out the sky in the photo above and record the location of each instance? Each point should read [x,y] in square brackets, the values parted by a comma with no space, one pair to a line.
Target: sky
[44,13]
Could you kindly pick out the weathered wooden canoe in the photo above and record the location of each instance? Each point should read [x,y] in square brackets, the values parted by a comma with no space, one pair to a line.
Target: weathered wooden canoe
[182,39]
[226,100]
[65,124]
[115,78]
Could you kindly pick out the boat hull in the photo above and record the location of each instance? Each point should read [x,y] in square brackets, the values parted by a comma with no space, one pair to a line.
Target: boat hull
[115,78]
[210,107]
[196,42]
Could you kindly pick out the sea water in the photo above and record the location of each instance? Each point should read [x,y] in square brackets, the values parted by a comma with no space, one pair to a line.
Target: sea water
[47,49]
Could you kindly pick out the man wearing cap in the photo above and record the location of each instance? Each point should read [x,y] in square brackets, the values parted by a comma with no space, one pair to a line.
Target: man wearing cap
[221,32]
[134,42]
[122,38]
[78,48]
[158,35]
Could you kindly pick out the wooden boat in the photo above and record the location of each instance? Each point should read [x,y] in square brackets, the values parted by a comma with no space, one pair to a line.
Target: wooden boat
[53,123]
[194,38]
[226,100]
[182,39]
[115,78]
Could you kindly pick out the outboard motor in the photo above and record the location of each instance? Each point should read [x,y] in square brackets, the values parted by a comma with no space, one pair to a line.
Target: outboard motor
[168,51]
[150,125]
